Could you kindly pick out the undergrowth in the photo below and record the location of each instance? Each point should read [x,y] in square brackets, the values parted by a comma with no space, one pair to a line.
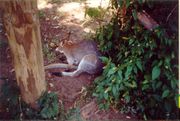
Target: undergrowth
[13,107]
[48,106]
[141,68]
[48,52]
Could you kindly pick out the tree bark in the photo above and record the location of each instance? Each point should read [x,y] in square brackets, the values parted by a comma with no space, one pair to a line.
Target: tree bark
[22,27]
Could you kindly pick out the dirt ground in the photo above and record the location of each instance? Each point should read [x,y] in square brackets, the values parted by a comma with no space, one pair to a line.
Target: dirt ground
[57,19]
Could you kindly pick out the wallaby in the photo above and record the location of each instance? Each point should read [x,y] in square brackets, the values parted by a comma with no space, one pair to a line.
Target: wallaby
[82,56]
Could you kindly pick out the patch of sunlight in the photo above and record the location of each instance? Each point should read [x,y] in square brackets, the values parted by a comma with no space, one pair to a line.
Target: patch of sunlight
[77,10]
[66,7]
[44,4]
[89,30]
[96,3]
[73,8]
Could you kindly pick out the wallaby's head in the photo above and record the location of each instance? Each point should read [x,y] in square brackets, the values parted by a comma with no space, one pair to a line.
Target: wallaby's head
[64,45]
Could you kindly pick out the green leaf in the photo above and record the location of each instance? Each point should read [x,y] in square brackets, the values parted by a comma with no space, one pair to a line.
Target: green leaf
[104,59]
[111,71]
[139,65]
[127,3]
[55,109]
[101,106]
[160,63]
[134,84]
[120,74]
[135,70]
[127,98]
[158,85]
[174,83]
[126,93]
[109,36]
[128,71]
[147,77]
[145,117]
[120,2]
[167,60]
[145,82]
[122,87]
[155,72]
[154,86]
[101,36]
[165,93]
[95,95]
[44,112]
[157,97]
[106,106]
[134,13]
[131,41]
[129,85]
[106,96]
[140,1]
[144,87]
[49,102]
[169,42]
[93,12]
[168,106]
[114,90]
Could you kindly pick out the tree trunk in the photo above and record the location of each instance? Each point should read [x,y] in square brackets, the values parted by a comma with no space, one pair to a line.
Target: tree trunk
[23,32]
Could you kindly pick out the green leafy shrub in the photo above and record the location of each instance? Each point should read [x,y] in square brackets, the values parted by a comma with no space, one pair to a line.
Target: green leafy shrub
[9,100]
[73,114]
[41,14]
[95,13]
[48,108]
[49,105]
[14,108]
[48,52]
[141,69]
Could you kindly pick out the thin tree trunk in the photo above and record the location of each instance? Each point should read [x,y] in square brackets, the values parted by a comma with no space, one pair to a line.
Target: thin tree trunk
[23,32]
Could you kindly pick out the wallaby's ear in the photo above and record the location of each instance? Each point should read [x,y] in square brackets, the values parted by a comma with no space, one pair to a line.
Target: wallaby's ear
[61,44]
[69,42]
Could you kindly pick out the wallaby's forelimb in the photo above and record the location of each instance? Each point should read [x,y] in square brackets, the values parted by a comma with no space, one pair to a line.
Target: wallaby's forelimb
[60,65]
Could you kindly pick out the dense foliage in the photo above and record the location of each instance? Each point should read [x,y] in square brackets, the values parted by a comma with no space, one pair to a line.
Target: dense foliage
[141,71]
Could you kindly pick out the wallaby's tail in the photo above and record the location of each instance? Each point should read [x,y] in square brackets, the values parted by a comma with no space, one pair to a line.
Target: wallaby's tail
[60,65]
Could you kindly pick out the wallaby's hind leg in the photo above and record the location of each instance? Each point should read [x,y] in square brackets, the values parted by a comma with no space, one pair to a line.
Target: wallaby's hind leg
[72,74]
[87,64]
